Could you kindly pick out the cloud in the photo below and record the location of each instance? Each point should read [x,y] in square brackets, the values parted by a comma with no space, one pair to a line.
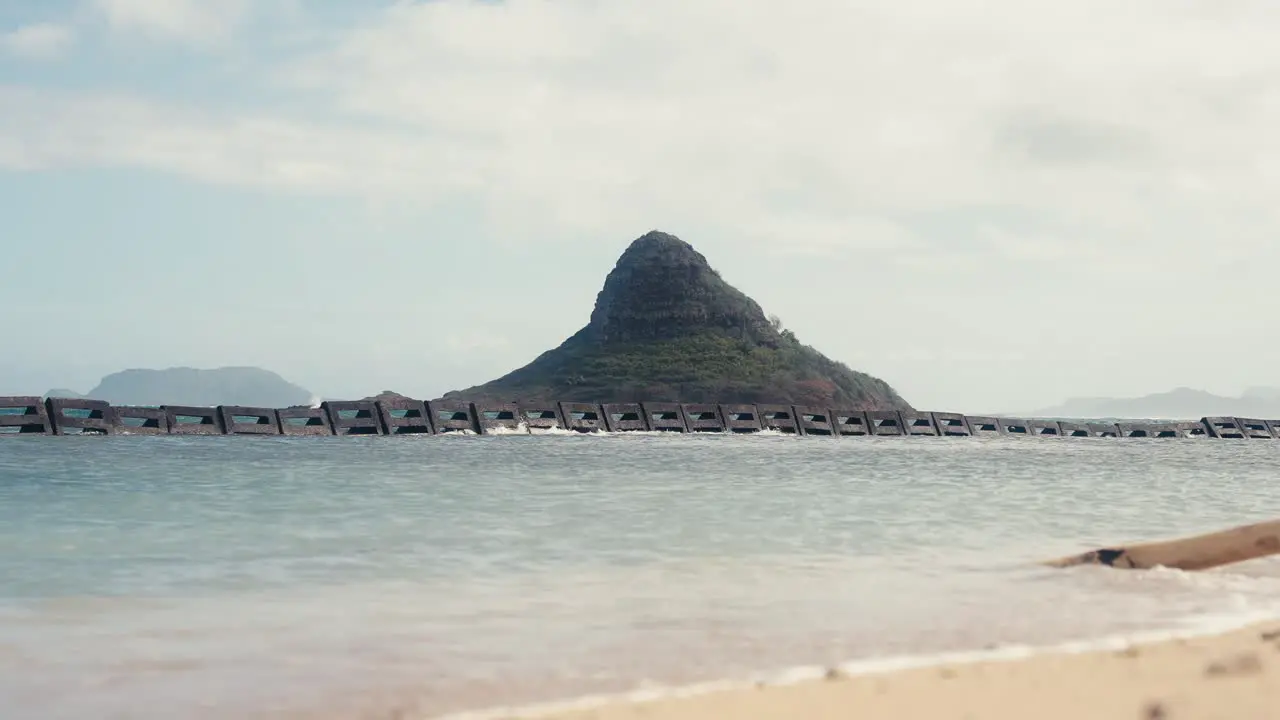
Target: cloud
[41,41]
[826,124]
[192,21]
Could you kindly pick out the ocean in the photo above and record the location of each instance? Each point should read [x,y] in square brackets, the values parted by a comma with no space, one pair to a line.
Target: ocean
[423,577]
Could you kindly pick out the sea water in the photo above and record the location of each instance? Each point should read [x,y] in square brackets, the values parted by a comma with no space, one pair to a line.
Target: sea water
[221,577]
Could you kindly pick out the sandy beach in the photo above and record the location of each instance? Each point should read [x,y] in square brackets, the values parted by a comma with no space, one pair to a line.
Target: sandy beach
[1234,675]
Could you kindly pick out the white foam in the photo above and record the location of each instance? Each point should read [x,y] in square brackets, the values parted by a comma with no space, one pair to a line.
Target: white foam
[1202,626]
[519,429]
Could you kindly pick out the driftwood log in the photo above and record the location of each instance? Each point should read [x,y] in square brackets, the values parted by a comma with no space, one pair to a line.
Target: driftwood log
[1199,552]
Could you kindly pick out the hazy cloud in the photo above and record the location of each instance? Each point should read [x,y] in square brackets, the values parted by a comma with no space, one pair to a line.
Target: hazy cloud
[594,116]
[40,41]
[189,21]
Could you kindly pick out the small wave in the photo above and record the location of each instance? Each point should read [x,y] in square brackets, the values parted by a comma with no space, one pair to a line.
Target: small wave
[1202,626]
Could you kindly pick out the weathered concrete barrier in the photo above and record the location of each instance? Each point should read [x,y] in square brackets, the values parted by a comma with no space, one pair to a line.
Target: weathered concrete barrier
[239,420]
[1165,431]
[353,417]
[191,420]
[28,415]
[814,421]
[582,417]
[779,418]
[665,417]
[951,424]
[982,425]
[624,417]
[702,417]
[1044,428]
[1225,428]
[1073,429]
[1104,430]
[141,420]
[1147,430]
[739,418]
[76,416]
[1013,426]
[24,415]
[304,421]
[1255,429]
[542,417]
[850,423]
[404,416]
[498,418]
[452,416]
[1193,430]
[884,423]
[915,423]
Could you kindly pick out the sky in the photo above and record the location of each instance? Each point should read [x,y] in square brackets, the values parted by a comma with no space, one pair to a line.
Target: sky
[991,205]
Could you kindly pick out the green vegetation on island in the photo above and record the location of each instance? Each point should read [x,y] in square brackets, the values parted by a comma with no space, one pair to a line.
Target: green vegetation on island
[667,327]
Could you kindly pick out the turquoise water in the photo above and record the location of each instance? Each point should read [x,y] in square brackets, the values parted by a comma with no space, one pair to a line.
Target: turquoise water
[226,577]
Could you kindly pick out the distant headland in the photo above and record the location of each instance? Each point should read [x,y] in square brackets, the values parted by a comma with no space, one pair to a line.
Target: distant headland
[192,386]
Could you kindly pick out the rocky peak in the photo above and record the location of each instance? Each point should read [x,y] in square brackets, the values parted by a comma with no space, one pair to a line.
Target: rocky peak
[661,288]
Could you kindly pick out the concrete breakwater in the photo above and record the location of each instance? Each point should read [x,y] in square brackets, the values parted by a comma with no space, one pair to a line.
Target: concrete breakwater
[26,416]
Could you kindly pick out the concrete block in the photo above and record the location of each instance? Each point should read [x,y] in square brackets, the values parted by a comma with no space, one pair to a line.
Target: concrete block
[951,424]
[1073,429]
[74,416]
[1193,430]
[298,421]
[1156,430]
[918,423]
[1103,430]
[1165,430]
[624,417]
[24,415]
[1255,429]
[1275,427]
[538,416]
[665,417]
[849,422]
[982,425]
[582,417]
[781,418]
[134,420]
[353,417]
[814,421]
[498,418]
[1224,428]
[304,422]
[1044,428]
[405,416]
[740,418]
[1013,426]
[238,420]
[191,420]
[704,418]
[452,416]
[884,423]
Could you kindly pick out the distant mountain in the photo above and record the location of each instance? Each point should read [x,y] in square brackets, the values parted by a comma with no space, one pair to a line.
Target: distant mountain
[667,327]
[1178,404]
[64,393]
[190,386]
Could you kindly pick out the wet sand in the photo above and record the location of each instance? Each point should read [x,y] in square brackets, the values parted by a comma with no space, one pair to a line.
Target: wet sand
[1234,675]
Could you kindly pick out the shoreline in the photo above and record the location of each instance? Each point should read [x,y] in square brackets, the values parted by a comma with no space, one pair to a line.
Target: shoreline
[1222,668]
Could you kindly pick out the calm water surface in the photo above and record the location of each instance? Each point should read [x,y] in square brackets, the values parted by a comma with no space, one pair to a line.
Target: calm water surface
[356,577]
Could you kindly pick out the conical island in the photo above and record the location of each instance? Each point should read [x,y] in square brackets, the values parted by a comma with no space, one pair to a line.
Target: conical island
[666,327]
